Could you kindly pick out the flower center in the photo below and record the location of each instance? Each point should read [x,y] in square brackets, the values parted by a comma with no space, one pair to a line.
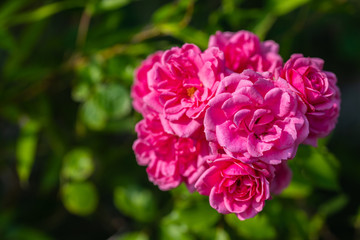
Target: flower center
[191,91]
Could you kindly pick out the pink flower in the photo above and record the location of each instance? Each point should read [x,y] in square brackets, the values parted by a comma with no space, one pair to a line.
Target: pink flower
[236,187]
[254,118]
[243,50]
[170,160]
[140,88]
[181,84]
[282,178]
[317,88]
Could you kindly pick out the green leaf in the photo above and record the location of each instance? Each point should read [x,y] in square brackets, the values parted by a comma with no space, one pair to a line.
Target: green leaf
[93,115]
[78,164]
[264,25]
[44,12]
[25,233]
[112,4]
[175,232]
[185,34]
[193,216]
[221,234]
[320,167]
[81,92]
[26,148]
[333,206]
[91,72]
[280,7]
[258,227]
[114,99]
[171,12]
[79,198]
[297,190]
[133,236]
[7,41]
[10,7]
[135,202]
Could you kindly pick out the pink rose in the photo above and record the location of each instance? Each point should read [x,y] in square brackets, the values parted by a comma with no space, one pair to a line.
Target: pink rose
[243,50]
[317,88]
[254,118]
[140,86]
[170,160]
[236,187]
[181,84]
[282,178]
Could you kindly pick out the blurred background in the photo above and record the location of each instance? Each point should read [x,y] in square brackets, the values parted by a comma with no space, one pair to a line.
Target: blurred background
[67,170]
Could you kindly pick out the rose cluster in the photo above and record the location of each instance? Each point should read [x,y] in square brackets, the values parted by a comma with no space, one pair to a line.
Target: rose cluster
[225,120]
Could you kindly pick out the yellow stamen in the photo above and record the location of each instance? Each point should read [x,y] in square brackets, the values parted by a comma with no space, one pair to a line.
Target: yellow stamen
[191,91]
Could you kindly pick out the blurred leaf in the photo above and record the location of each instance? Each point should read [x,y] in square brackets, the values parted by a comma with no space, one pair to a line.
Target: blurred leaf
[135,202]
[185,34]
[171,12]
[93,115]
[258,227]
[79,198]
[133,236]
[77,165]
[7,41]
[315,226]
[221,234]
[91,72]
[111,4]
[29,37]
[320,166]
[333,206]
[114,99]
[280,7]
[45,11]
[297,190]
[175,232]
[26,148]
[81,92]
[9,7]
[264,25]
[25,233]
[193,216]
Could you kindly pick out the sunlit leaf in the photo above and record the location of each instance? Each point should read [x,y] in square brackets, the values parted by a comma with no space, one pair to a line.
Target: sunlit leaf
[79,198]
[77,164]
[221,234]
[112,4]
[26,148]
[280,7]
[297,190]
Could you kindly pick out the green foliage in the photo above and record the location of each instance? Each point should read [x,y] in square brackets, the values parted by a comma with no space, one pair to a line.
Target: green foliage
[250,228]
[78,165]
[80,198]
[134,202]
[67,169]
[26,148]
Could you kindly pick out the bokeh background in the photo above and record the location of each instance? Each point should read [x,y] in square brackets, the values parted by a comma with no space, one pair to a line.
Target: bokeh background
[67,170]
